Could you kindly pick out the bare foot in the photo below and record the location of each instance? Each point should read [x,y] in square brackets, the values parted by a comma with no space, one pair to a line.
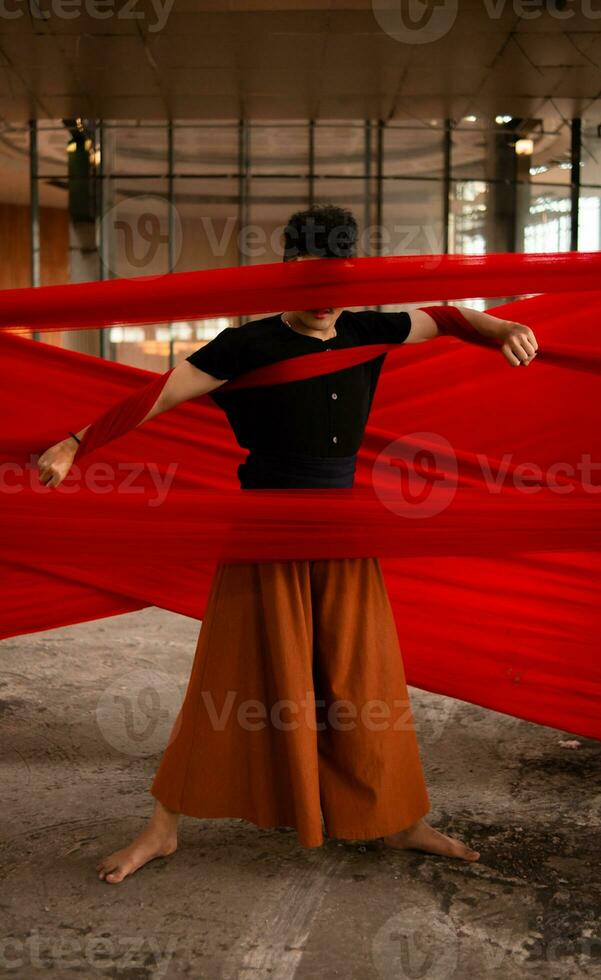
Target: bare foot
[158,839]
[421,837]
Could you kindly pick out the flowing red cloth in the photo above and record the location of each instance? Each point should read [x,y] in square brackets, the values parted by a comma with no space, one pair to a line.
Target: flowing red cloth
[452,322]
[478,484]
[296,286]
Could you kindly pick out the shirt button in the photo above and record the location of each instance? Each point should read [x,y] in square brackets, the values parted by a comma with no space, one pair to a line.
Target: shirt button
[334,438]
[334,395]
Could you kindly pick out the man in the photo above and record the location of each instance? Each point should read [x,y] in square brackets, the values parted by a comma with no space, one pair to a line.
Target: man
[321,732]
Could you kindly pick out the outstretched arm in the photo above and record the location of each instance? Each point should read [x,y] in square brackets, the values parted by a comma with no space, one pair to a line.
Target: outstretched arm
[185,381]
[515,340]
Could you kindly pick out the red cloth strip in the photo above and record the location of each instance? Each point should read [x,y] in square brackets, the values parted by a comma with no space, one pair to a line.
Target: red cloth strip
[278,286]
[452,322]
[129,412]
[122,417]
[496,593]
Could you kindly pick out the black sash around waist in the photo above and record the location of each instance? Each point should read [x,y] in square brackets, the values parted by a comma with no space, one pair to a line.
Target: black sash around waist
[263,471]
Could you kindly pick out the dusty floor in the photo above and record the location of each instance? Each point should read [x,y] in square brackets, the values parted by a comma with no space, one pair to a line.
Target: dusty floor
[85,712]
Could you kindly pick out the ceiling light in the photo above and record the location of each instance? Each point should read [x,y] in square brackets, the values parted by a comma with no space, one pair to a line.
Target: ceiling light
[503,119]
[524,147]
[470,119]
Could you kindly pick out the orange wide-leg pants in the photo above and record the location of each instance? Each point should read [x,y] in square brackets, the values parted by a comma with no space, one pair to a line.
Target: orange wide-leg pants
[297,712]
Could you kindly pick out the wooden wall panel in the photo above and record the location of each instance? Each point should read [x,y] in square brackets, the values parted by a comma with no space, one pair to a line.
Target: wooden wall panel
[54,246]
[15,245]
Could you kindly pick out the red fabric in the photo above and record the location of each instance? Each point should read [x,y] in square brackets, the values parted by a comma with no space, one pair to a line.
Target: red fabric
[452,322]
[295,286]
[494,586]
[122,416]
[129,412]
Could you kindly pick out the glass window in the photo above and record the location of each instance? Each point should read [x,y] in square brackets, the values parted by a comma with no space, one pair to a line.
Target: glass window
[467,218]
[208,214]
[136,228]
[205,149]
[548,222]
[281,149]
[412,214]
[413,152]
[551,162]
[339,150]
[270,204]
[135,149]
[476,154]
[589,221]
[469,153]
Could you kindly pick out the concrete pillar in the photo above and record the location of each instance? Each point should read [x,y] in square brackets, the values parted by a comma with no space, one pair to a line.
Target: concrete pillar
[501,212]
[84,266]
[509,191]
[84,255]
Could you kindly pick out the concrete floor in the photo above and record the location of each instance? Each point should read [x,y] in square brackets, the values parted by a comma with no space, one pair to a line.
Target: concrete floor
[85,712]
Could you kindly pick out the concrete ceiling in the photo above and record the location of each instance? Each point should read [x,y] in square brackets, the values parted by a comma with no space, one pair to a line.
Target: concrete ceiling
[320,59]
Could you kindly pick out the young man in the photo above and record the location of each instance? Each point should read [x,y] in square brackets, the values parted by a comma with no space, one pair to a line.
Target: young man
[307,648]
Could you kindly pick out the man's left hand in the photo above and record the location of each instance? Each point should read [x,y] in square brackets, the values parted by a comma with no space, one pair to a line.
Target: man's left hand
[519,345]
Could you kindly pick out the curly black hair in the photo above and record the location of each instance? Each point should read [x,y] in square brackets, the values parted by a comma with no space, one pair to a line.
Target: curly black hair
[324,230]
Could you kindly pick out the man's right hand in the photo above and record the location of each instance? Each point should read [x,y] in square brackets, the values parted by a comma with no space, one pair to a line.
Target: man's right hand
[55,462]
[185,381]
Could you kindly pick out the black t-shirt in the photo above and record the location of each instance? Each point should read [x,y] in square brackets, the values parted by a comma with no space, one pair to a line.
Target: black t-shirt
[320,416]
